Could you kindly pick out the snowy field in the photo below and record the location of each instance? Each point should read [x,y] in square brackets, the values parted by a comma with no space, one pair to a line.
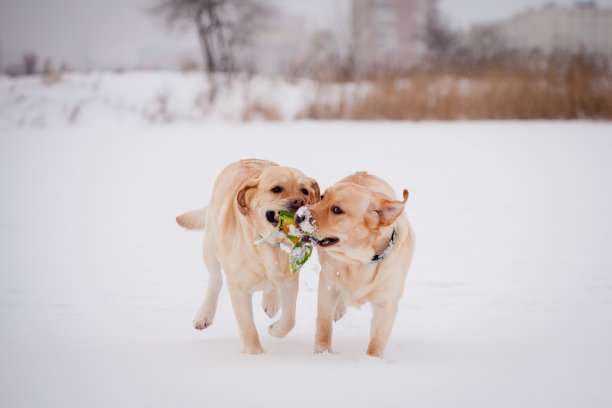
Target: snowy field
[151,96]
[508,302]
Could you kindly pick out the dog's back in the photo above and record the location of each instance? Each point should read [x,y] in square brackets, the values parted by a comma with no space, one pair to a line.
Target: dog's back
[371,182]
[227,184]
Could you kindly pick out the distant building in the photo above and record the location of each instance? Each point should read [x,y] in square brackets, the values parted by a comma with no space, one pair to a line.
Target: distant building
[582,27]
[278,44]
[390,32]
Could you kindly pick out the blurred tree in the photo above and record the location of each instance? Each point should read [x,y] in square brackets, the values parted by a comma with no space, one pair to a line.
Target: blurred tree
[30,63]
[439,39]
[223,26]
[484,45]
[479,46]
[325,59]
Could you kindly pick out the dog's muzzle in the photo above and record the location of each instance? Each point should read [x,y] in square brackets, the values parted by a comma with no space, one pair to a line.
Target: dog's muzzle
[272,217]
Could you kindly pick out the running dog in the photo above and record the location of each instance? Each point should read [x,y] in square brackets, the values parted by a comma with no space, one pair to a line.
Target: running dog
[245,203]
[365,246]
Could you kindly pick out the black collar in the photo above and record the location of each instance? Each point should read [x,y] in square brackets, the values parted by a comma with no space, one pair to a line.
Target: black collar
[378,258]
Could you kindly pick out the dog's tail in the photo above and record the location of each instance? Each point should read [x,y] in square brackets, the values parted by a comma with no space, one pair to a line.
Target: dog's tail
[193,220]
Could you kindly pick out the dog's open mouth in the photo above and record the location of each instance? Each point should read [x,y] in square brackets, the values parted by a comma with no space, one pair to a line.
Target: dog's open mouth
[272,217]
[325,242]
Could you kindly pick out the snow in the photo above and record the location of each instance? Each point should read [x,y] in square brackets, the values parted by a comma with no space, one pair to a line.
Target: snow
[307,224]
[294,232]
[508,301]
[150,97]
[299,255]
[285,248]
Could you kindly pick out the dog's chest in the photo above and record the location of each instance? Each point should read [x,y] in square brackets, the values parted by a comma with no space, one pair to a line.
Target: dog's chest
[275,266]
[355,284]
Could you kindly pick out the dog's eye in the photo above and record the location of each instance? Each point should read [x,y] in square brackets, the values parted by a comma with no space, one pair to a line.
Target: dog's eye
[277,189]
[304,191]
[337,210]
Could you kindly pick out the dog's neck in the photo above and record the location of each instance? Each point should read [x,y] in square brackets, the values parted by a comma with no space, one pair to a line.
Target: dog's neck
[390,242]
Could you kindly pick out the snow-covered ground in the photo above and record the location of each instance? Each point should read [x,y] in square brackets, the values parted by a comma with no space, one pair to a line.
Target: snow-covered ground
[508,302]
[151,97]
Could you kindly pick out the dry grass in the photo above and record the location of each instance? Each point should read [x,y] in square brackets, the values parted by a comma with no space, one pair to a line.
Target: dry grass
[260,111]
[574,89]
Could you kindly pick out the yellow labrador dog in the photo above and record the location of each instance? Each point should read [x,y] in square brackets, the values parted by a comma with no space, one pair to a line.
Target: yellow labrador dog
[365,249]
[245,203]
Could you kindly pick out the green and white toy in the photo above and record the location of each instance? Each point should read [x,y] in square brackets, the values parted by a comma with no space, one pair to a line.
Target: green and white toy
[302,250]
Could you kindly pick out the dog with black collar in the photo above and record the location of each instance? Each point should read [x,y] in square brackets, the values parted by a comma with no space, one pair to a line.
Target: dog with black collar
[365,250]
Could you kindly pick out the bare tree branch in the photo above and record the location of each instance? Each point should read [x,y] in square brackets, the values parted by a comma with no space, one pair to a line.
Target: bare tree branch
[223,26]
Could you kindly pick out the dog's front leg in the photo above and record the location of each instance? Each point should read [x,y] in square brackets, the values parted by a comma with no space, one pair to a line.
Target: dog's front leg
[383,318]
[242,303]
[270,302]
[288,298]
[326,305]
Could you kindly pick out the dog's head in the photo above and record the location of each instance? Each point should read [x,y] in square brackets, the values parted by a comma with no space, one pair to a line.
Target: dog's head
[351,219]
[276,188]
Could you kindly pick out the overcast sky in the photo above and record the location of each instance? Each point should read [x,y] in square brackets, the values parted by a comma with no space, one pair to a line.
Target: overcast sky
[98,33]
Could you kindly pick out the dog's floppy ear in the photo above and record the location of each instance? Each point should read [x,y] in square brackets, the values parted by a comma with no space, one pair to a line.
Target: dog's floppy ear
[385,211]
[317,191]
[241,196]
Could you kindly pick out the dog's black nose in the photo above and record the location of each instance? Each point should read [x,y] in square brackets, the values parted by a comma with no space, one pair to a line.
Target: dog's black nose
[299,219]
[296,203]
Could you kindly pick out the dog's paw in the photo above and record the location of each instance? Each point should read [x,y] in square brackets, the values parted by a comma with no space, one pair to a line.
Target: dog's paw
[280,330]
[202,321]
[371,361]
[322,349]
[270,303]
[270,309]
[375,351]
[339,311]
[254,349]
